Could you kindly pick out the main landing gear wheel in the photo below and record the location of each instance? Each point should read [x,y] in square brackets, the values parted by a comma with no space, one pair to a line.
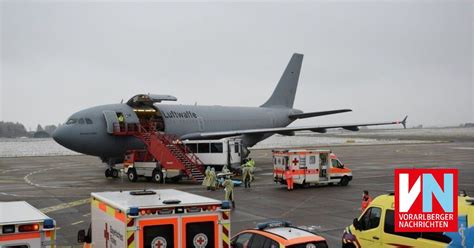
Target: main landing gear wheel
[111,172]
[157,176]
[115,173]
[132,175]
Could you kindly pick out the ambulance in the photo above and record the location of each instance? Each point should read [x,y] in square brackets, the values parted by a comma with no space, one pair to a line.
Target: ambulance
[375,228]
[24,226]
[165,218]
[309,167]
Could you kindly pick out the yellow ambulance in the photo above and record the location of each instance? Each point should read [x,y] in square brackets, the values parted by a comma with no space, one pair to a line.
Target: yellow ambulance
[375,228]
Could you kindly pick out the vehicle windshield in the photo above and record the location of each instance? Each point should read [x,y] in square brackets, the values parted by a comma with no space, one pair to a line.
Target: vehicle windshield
[71,121]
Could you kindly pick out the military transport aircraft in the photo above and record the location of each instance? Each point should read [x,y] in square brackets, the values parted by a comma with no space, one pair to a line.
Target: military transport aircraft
[90,131]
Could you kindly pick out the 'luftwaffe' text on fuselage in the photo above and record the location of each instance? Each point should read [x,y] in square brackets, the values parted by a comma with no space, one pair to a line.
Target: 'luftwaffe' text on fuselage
[174,114]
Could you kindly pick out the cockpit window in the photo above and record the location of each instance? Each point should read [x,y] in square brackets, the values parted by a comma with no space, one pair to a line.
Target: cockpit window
[71,121]
[81,121]
[88,121]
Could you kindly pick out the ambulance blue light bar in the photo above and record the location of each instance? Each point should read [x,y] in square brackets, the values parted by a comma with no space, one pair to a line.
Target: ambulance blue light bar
[272,224]
[133,212]
[225,205]
[48,224]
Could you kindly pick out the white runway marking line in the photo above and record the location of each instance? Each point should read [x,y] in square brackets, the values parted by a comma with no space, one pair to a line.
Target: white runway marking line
[77,222]
[28,181]
[463,148]
[65,205]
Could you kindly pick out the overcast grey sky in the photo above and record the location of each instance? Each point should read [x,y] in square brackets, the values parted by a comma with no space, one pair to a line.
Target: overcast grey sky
[382,59]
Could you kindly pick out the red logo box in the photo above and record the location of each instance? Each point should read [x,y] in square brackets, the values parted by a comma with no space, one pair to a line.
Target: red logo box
[426,200]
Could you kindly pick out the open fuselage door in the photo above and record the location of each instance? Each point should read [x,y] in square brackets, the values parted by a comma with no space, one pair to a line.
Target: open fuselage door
[111,119]
[146,111]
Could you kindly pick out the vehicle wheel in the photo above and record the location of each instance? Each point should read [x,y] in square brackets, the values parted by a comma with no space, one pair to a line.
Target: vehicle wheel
[175,179]
[114,173]
[157,176]
[107,172]
[344,181]
[132,175]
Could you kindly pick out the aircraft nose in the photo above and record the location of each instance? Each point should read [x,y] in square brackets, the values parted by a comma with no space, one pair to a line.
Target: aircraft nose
[59,135]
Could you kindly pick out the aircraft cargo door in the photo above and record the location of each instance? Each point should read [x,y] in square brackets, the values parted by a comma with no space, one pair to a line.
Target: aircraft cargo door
[200,232]
[110,119]
[159,233]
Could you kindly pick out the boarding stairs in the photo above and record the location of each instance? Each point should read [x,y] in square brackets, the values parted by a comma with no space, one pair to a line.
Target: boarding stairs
[167,149]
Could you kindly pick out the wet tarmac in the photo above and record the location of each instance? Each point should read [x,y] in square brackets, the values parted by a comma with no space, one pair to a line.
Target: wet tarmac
[61,185]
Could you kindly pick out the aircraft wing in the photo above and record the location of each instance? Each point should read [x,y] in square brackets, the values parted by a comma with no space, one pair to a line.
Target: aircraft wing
[318,129]
[320,113]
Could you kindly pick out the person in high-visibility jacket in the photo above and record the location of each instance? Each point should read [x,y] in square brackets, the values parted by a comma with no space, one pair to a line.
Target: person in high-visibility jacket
[224,169]
[289,179]
[228,185]
[213,179]
[246,175]
[366,200]
[206,182]
[251,165]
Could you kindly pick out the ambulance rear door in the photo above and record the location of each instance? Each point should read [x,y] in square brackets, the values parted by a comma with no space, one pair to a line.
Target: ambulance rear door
[159,232]
[323,166]
[312,168]
[297,167]
[279,166]
[201,231]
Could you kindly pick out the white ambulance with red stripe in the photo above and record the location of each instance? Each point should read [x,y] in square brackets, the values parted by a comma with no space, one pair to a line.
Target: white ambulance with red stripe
[165,218]
[24,226]
[309,167]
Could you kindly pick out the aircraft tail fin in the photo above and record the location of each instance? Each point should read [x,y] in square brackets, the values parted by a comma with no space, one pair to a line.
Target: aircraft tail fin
[284,94]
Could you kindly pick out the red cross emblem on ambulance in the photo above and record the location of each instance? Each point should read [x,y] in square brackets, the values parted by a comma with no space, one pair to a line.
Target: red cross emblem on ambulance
[295,161]
[158,242]
[200,240]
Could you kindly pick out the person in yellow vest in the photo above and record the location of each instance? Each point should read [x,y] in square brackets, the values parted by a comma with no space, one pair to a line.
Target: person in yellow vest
[251,165]
[246,175]
[213,179]
[228,185]
[206,182]
[225,169]
[121,120]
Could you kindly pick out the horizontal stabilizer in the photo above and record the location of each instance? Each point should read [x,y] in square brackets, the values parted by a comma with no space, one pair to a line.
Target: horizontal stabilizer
[320,113]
